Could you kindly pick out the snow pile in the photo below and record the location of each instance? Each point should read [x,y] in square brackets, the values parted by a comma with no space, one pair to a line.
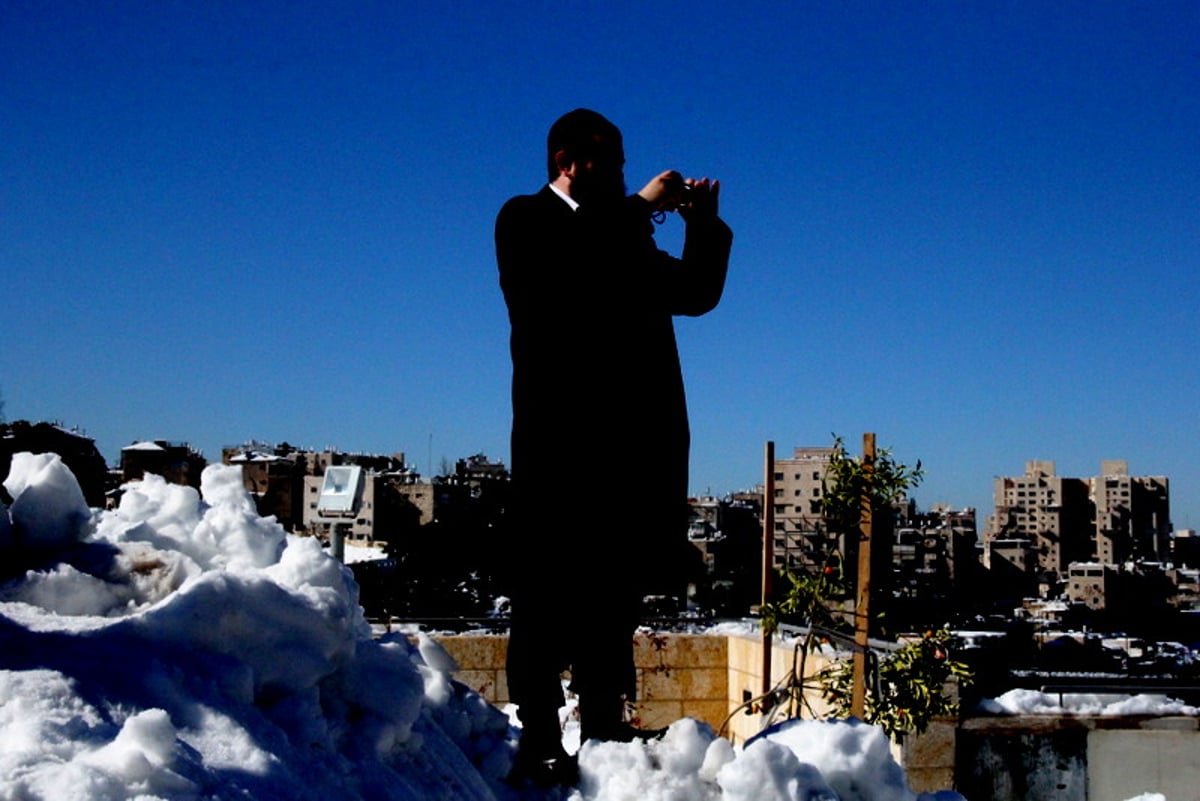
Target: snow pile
[187,649]
[182,647]
[1032,702]
[797,760]
[48,507]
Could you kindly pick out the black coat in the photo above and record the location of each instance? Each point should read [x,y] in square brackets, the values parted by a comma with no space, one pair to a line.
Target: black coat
[598,400]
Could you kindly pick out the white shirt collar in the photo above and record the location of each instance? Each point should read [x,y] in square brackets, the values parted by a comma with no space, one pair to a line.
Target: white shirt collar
[570,201]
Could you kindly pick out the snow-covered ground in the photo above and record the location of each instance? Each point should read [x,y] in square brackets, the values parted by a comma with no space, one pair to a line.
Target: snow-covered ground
[182,647]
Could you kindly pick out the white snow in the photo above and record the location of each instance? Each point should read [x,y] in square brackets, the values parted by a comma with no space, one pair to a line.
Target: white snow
[48,509]
[353,554]
[1032,702]
[143,446]
[181,647]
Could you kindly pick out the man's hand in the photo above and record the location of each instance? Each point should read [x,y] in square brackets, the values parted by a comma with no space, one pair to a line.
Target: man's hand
[700,199]
[662,193]
[670,191]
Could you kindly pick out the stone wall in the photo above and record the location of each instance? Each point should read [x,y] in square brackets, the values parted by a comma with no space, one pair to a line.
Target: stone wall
[480,659]
[745,681]
[701,676]
[1016,758]
[680,675]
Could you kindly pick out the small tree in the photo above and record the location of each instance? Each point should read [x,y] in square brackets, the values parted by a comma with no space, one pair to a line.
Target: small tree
[845,483]
[908,691]
[910,686]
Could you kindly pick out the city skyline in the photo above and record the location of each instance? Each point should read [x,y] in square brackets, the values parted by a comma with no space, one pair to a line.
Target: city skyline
[968,229]
[446,463]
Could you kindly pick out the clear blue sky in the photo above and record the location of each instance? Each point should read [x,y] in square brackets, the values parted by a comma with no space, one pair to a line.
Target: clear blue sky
[971,227]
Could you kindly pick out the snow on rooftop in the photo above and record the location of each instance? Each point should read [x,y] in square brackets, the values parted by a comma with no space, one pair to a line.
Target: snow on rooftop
[74,432]
[254,456]
[143,446]
[182,647]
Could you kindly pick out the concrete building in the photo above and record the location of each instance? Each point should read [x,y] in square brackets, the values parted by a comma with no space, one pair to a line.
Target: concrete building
[933,553]
[1187,588]
[285,481]
[727,533]
[1048,511]
[1132,515]
[77,451]
[477,491]
[274,477]
[1110,518]
[176,462]
[1185,548]
[391,503]
[1091,584]
[801,538]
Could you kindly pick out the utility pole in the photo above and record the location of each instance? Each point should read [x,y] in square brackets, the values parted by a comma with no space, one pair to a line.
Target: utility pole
[862,604]
[768,564]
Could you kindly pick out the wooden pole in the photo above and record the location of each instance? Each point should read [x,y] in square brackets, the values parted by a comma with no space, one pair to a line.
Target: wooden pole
[768,564]
[862,604]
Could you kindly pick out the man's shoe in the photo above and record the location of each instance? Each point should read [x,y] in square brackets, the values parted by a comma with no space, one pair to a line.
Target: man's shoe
[561,769]
[620,733]
[540,759]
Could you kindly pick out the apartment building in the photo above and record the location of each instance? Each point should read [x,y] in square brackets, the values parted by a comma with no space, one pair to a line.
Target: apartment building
[177,462]
[274,477]
[1091,584]
[1045,510]
[286,482]
[77,451]
[1185,548]
[801,538]
[1108,519]
[391,503]
[934,553]
[1132,515]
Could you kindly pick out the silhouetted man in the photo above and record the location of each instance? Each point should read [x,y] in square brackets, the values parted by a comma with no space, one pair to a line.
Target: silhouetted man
[600,433]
